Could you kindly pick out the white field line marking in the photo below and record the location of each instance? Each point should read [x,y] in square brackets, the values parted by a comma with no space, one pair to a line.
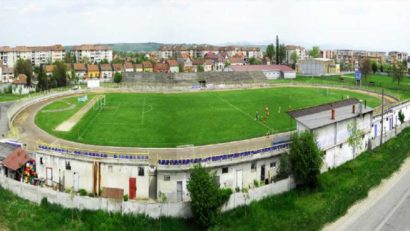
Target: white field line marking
[83,131]
[240,110]
[143,112]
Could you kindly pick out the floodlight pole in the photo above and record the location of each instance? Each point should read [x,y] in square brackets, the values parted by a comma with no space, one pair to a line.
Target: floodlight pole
[381,135]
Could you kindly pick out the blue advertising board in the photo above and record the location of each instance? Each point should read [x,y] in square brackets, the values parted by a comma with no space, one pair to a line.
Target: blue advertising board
[358,75]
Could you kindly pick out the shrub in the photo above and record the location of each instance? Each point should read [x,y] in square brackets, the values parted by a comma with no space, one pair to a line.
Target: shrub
[82,192]
[255,183]
[67,190]
[44,202]
[91,195]
[305,159]
[401,117]
[126,197]
[283,170]
[237,189]
[117,77]
[206,196]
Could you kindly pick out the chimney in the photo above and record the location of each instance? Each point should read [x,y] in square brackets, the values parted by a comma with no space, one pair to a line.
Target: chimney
[333,115]
[353,108]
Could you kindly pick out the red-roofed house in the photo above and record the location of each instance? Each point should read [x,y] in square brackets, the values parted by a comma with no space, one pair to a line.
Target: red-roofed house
[270,71]
[129,67]
[16,160]
[173,65]
[161,67]
[20,86]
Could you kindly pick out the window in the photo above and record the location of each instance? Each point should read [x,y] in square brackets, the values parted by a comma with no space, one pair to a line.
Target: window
[41,160]
[110,168]
[67,165]
[167,178]
[253,166]
[140,171]
[273,164]
[225,170]
[340,145]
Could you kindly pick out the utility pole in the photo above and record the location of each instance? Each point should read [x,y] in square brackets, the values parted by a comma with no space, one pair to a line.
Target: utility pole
[382,121]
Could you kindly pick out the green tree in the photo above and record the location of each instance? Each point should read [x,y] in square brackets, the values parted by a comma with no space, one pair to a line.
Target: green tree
[277,49]
[206,196]
[401,117]
[60,74]
[24,67]
[305,159]
[283,170]
[365,67]
[294,57]
[252,61]
[42,79]
[200,68]
[356,136]
[399,71]
[69,57]
[117,77]
[374,67]
[104,61]
[181,67]
[315,52]
[381,67]
[282,53]
[270,51]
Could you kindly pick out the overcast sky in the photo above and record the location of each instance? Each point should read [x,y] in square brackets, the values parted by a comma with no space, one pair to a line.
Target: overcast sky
[375,25]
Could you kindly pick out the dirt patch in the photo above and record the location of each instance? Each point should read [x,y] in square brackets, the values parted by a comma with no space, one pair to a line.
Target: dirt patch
[73,120]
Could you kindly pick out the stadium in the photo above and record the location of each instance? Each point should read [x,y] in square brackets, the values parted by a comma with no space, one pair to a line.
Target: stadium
[140,138]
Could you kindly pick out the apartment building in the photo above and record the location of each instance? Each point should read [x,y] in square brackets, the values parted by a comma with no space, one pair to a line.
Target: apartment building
[36,54]
[397,56]
[300,51]
[92,53]
[354,57]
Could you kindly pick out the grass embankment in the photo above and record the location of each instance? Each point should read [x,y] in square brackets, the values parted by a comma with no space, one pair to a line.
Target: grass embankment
[9,97]
[294,210]
[341,188]
[401,91]
[169,120]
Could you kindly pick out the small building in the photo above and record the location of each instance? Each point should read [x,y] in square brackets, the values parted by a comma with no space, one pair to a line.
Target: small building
[6,73]
[117,67]
[196,63]
[208,65]
[21,87]
[317,67]
[270,71]
[106,71]
[48,69]
[129,67]
[186,62]
[173,66]
[333,124]
[93,71]
[161,67]
[236,61]
[139,68]
[147,66]
[80,70]
[19,166]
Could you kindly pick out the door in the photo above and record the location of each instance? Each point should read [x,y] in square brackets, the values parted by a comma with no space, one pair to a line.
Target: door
[76,181]
[49,176]
[239,179]
[391,123]
[179,191]
[262,172]
[133,188]
[375,130]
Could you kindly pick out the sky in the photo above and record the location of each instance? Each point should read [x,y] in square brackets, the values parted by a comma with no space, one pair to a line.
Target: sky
[331,24]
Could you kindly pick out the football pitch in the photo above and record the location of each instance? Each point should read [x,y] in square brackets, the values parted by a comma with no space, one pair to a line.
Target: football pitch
[170,120]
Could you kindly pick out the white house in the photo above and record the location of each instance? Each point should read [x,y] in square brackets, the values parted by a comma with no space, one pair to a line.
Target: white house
[332,124]
[20,86]
[270,71]
[7,74]
[94,53]
[37,54]
[173,66]
[106,72]
[390,119]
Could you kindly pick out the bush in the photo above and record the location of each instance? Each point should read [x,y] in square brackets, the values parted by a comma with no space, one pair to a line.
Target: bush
[283,170]
[305,159]
[126,197]
[401,117]
[91,195]
[255,183]
[44,202]
[82,192]
[206,196]
[117,77]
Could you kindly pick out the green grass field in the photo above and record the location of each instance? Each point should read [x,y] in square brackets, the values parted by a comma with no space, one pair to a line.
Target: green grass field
[169,120]
[9,97]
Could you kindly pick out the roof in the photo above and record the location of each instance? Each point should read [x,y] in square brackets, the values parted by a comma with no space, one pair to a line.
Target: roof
[158,67]
[209,62]
[172,62]
[5,150]
[115,193]
[138,66]
[90,47]
[319,116]
[49,68]
[294,47]
[282,68]
[79,67]
[57,47]
[21,79]
[236,60]
[106,67]
[16,159]
[147,64]
[118,67]
[197,62]
[92,67]
[129,65]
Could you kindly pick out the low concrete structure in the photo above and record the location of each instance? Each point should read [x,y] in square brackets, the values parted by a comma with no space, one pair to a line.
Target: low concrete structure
[317,67]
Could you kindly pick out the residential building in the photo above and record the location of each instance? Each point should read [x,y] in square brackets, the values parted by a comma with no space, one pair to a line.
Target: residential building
[300,51]
[397,56]
[196,63]
[236,61]
[186,62]
[208,65]
[270,71]
[217,59]
[161,67]
[353,58]
[80,70]
[36,54]
[139,68]
[48,69]
[106,71]
[92,53]
[93,71]
[117,67]
[332,125]
[20,85]
[6,73]
[128,67]
[173,65]
[317,67]
[147,66]
[327,54]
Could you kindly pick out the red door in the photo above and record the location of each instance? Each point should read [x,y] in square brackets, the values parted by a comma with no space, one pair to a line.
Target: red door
[133,188]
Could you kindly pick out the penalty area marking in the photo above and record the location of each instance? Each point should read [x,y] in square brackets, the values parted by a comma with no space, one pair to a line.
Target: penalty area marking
[143,110]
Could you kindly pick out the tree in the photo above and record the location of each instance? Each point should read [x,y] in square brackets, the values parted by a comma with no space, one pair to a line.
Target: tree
[282,53]
[206,196]
[42,79]
[294,57]
[270,51]
[69,58]
[60,74]
[117,77]
[315,52]
[200,68]
[374,67]
[305,159]
[181,67]
[24,67]
[277,49]
[104,61]
[401,117]
[381,67]
[398,71]
[365,67]
[355,137]
[283,170]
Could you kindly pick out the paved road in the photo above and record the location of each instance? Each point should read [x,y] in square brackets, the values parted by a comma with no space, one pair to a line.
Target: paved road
[387,208]
[3,117]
